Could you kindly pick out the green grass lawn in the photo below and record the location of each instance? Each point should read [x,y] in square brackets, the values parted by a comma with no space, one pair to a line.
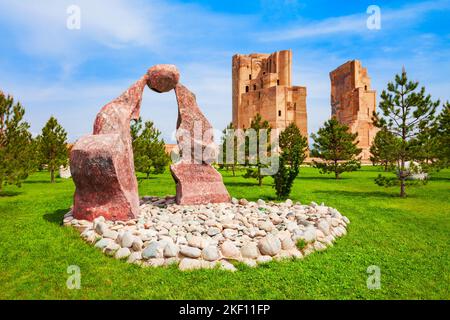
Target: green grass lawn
[409,239]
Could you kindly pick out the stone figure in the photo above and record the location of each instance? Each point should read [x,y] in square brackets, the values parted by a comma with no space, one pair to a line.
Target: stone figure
[102,163]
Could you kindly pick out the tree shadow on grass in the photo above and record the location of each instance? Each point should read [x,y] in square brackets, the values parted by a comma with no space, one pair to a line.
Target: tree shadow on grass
[9,193]
[244,184]
[145,178]
[43,181]
[56,216]
[362,194]
[329,178]
[438,179]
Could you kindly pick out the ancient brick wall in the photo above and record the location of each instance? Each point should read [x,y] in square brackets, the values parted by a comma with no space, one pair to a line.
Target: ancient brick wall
[262,84]
[353,102]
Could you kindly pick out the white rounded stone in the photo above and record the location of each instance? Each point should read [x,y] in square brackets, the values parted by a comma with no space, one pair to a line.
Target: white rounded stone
[170,250]
[309,235]
[111,248]
[324,226]
[229,233]
[110,234]
[250,250]
[134,256]
[137,244]
[100,227]
[211,253]
[190,252]
[189,264]
[266,226]
[213,231]
[127,239]
[153,250]
[263,259]
[122,253]
[103,243]
[229,250]
[225,265]
[269,245]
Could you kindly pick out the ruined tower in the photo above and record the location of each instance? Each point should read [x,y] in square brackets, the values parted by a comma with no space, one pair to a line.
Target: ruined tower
[353,102]
[262,84]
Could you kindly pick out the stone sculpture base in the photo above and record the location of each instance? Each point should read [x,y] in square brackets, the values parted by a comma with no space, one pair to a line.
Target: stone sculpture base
[102,179]
[198,184]
[274,235]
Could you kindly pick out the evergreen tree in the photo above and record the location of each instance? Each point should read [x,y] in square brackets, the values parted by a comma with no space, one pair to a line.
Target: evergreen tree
[135,129]
[150,155]
[337,148]
[16,144]
[229,140]
[406,112]
[293,148]
[423,148]
[254,169]
[443,137]
[52,146]
[383,149]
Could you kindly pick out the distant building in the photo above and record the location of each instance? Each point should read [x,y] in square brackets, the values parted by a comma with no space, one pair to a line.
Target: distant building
[262,84]
[170,147]
[353,102]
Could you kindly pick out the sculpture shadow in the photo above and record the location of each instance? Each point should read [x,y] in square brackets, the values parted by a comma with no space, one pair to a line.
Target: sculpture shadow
[244,184]
[41,181]
[9,193]
[57,216]
[139,179]
[361,194]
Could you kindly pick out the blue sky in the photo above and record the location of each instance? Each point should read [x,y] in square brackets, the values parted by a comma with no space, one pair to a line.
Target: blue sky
[71,74]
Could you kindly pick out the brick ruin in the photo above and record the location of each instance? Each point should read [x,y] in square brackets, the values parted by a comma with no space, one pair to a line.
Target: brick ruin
[353,102]
[262,84]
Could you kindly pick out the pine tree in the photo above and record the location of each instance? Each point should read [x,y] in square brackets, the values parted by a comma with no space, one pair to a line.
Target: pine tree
[383,149]
[150,155]
[337,148]
[443,137]
[405,112]
[229,141]
[293,148]
[52,146]
[254,162]
[16,144]
[424,147]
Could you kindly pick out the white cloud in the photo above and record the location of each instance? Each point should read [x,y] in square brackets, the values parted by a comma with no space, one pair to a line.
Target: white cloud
[328,26]
[112,23]
[155,25]
[200,42]
[140,28]
[355,23]
[76,103]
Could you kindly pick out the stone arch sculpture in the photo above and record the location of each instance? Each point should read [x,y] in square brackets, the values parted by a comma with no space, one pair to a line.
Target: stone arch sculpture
[102,163]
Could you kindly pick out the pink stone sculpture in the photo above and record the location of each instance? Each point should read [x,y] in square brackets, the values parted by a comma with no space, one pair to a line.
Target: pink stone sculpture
[163,77]
[197,181]
[102,163]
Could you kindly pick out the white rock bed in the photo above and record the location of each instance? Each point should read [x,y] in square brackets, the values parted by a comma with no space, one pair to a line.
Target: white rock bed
[214,235]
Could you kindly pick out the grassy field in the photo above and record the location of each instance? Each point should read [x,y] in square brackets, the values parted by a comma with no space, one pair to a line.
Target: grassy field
[409,239]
